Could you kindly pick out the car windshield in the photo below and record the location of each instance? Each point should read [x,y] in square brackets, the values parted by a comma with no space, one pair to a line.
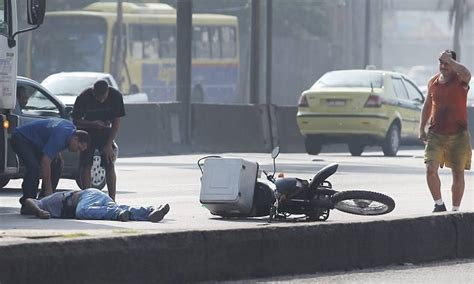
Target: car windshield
[67,85]
[350,78]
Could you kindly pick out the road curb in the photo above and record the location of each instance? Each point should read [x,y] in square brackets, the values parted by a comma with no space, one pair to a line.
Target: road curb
[240,253]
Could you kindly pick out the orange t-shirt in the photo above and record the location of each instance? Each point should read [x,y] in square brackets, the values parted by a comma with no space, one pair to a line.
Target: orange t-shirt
[448,108]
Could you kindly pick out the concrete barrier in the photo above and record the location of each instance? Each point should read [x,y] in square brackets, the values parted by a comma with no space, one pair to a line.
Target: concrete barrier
[138,123]
[224,128]
[289,136]
[240,253]
[151,129]
[158,129]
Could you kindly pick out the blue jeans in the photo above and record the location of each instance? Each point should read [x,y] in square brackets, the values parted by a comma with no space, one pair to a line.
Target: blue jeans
[95,205]
[30,156]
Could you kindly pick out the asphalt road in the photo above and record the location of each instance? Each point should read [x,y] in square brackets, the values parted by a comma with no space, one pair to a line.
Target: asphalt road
[458,271]
[176,180]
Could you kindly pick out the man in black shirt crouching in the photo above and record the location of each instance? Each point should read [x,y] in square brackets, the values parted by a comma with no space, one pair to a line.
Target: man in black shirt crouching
[98,111]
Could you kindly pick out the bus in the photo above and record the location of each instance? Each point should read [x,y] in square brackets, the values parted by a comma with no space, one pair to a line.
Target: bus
[83,40]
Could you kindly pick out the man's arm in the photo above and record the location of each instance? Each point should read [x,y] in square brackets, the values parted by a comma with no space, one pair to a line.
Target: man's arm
[79,111]
[33,207]
[461,70]
[425,116]
[46,179]
[86,124]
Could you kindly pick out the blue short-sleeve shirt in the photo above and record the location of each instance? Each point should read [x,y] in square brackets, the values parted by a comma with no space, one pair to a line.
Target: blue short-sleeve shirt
[51,136]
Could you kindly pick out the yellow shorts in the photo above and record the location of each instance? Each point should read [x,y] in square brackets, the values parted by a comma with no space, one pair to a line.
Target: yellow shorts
[454,151]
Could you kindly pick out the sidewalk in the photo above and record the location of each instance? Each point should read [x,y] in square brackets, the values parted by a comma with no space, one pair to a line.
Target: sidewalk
[269,250]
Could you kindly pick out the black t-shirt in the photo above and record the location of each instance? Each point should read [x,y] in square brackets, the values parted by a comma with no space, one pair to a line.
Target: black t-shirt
[87,107]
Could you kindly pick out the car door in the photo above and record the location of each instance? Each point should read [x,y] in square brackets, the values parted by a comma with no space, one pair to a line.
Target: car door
[417,100]
[404,106]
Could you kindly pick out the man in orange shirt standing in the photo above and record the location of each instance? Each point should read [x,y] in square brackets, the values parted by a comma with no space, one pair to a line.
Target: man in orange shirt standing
[448,141]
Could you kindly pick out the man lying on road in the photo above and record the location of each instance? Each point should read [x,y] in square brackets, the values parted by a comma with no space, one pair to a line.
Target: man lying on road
[91,204]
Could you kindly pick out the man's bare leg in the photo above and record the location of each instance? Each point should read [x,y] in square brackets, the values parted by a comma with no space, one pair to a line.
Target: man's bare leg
[432,178]
[458,187]
[111,178]
[33,207]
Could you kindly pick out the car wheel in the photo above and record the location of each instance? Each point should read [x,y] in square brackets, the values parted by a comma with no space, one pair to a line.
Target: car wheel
[392,141]
[313,145]
[356,148]
[4,182]
[98,179]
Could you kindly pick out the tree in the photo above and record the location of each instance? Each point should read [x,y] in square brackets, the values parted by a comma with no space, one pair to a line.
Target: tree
[295,18]
[458,16]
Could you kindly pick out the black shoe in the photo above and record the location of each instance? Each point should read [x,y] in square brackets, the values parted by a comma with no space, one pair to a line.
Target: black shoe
[25,210]
[439,208]
[124,216]
[159,213]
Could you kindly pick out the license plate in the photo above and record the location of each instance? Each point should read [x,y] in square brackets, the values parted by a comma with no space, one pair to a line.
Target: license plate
[335,102]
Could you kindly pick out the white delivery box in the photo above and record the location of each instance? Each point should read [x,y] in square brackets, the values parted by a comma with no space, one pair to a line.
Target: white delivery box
[228,185]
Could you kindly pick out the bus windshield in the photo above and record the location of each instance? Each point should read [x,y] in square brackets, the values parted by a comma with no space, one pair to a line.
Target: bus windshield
[75,44]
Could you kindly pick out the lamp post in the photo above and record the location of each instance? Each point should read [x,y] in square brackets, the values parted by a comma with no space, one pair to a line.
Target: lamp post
[183,63]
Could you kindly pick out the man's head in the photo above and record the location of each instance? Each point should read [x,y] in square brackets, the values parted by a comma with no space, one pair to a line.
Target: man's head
[445,68]
[101,90]
[79,142]
[22,96]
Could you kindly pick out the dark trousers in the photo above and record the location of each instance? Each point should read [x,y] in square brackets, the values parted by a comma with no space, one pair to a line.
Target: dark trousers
[31,156]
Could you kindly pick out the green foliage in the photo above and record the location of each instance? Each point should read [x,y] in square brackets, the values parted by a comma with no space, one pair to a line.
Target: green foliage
[301,18]
[295,18]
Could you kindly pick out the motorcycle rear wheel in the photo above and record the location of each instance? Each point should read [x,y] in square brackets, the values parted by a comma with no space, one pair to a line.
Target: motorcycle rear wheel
[362,202]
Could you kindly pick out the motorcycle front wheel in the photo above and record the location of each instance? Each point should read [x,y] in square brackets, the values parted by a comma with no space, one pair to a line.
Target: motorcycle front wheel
[362,202]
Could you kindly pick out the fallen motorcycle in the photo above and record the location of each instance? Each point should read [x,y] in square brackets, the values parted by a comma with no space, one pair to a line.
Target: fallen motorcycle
[232,187]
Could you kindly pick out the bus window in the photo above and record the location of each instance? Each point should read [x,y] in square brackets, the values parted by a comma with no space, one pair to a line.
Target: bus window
[151,42]
[202,47]
[215,42]
[167,41]
[3,19]
[229,46]
[144,42]
[135,42]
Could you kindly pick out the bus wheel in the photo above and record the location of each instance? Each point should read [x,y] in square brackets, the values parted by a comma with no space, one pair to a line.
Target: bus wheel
[198,94]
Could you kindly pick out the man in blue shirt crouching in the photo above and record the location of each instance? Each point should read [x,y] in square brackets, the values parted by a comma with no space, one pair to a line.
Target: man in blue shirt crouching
[38,144]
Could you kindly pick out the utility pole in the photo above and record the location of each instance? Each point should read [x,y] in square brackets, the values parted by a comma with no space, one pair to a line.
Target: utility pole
[268,61]
[268,67]
[184,24]
[117,56]
[255,52]
[367,33]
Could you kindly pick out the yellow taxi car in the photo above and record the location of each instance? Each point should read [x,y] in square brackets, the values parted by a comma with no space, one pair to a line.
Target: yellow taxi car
[470,94]
[360,108]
